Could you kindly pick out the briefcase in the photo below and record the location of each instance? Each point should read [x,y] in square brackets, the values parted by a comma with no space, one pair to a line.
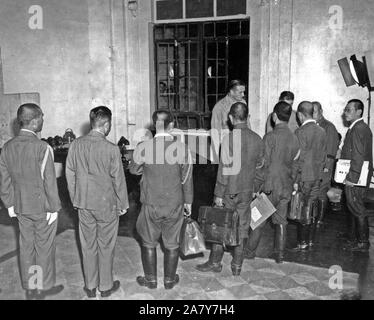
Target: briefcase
[296,206]
[219,225]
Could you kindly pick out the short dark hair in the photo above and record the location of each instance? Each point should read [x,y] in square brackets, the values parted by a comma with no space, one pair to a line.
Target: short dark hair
[286,95]
[167,117]
[28,112]
[283,110]
[235,83]
[99,116]
[306,108]
[359,105]
[318,104]
[239,111]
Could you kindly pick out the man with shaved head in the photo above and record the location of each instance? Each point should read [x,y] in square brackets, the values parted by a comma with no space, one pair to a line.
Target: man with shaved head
[332,146]
[28,188]
[311,163]
[234,188]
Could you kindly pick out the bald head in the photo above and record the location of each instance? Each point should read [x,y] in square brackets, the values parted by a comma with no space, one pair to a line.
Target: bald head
[27,114]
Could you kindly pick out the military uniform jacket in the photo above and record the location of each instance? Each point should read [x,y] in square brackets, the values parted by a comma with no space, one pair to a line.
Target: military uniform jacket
[281,152]
[166,168]
[242,152]
[332,141]
[95,176]
[23,182]
[312,160]
[358,148]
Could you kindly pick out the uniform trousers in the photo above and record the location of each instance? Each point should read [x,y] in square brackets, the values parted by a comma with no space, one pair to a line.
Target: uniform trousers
[98,235]
[160,221]
[37,251]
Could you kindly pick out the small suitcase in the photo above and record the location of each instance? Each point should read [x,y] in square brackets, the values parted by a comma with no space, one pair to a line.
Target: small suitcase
[219,225]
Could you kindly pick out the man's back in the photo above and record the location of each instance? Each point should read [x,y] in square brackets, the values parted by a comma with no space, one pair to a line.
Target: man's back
[281,149]
[312,139]
[237,175]
[22,158]
[95,174]
[166,165]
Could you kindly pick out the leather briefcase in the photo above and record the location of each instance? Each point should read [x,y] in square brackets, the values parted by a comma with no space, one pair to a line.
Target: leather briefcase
[219,225]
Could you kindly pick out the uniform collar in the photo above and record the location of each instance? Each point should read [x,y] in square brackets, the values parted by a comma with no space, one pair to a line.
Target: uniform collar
[353,124]
[309,121]
[241,126]
[27,132]
[95,133]
[281,125]
[163,134]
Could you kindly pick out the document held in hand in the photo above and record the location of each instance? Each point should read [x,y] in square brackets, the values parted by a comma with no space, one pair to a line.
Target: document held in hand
[261,209]
[342,169]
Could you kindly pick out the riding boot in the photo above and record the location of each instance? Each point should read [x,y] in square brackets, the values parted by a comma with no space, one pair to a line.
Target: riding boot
[321,212]
[253,242]
[363,243]
[214,262]
[314,222]
[238,257]
[280,242]
[171,258]
[303,232]
[149,261]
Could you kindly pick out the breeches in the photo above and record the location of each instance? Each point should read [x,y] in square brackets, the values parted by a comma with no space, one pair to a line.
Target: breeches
[280,201]
[241,202]
[37,251]
[98,236]
[355,201]
[160,221]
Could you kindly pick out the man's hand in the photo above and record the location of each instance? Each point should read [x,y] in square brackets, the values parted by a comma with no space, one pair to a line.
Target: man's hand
[51,217]
[295,187]
[11,212]
[349,183]
[122,212]
[218,202]
[325,170]
[187,209]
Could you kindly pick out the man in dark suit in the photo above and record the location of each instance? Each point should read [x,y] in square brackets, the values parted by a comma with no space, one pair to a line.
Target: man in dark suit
[29,191]
[97,188]
[332,146]
[311,163]
[357,148]
[166,192]
[242,152]
[281,154]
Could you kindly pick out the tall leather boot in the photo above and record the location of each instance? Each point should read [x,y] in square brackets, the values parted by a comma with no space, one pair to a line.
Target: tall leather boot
[303,232]
[238,257]
[214,263]
[314,222]
[171,258]
[321,212]
[280,242]
[149,261]
[350,236]
[254,241]
[363,243]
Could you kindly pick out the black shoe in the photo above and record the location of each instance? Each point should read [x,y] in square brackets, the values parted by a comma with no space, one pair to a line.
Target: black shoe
[30,294]
[90,293]
[169,284]
[107,293]
[236,270]
[42,294]
[301,247]
[209,267]
[150,284]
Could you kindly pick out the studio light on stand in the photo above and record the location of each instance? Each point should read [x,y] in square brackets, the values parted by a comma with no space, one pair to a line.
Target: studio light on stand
[356,72]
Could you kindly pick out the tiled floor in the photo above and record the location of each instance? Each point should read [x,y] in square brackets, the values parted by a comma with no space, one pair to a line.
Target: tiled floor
[261,279]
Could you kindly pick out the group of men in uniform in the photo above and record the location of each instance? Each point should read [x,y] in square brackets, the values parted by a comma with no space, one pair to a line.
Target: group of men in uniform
[289,158]
[297,154]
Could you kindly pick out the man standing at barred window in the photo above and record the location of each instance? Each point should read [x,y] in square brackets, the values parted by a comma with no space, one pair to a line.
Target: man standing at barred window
[29,191]
[281,154]
[289,97]
[97,188]
[235,183]
[166,192]
[357,148]
[312,140]
[332,146]
[219,122]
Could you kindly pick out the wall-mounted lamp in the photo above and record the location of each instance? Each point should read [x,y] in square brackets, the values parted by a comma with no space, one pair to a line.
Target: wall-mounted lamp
[132,5]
